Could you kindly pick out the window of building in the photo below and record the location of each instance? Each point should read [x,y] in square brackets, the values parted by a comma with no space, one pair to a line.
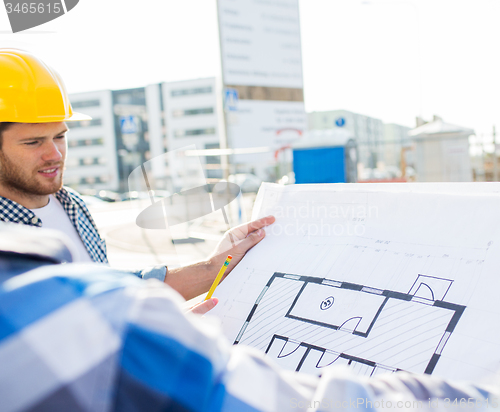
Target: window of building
[90,161]
[86,103]
[130,96]
[88,180]
[212,159]
[192,112]
[91,180]
[87,161]
[188,92]
[194,132]
[71,180]
[72,162]
[214,172]
[85,123]
[86,142]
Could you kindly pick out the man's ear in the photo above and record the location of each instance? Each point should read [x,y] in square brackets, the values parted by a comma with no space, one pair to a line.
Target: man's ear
[3,127]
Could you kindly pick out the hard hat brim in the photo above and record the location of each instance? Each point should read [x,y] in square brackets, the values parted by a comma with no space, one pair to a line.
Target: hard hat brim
[76,117]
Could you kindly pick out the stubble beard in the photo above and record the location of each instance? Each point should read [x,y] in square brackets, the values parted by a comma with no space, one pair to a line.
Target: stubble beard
[16,179]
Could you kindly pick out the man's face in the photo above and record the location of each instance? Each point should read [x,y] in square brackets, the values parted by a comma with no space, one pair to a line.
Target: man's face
[32,158]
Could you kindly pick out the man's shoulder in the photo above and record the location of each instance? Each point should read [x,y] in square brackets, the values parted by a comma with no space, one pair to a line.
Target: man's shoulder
[70,194]
[81,217]
[70,199]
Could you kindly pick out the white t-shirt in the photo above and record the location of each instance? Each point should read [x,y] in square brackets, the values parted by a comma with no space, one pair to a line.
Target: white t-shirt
[53,216]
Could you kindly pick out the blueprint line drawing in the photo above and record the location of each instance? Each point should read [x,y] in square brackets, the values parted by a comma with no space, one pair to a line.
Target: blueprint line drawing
[369,329]
[410,283]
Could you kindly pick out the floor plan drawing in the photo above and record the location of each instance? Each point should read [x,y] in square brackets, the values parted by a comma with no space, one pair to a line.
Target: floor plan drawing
[376,280]
[371,330]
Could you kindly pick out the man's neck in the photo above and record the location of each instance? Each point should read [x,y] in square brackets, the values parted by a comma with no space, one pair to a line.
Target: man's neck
[29,201]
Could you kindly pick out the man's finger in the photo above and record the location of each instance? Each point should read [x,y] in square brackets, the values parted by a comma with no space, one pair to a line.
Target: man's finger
[205,306]
[251,240]
[258,224]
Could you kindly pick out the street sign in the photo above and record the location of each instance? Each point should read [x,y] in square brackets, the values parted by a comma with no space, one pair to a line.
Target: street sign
[231,99]
[128,125]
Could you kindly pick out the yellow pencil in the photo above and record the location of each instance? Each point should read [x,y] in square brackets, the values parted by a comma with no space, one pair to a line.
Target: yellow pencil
[219,277]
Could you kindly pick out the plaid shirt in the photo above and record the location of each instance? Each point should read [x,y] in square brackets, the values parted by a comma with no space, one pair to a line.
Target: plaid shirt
[77,212]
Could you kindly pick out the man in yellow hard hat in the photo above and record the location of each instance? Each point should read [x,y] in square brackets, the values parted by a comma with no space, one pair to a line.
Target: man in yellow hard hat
[34,109]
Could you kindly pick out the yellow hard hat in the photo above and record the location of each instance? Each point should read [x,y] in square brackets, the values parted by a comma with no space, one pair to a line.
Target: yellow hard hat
[31,92]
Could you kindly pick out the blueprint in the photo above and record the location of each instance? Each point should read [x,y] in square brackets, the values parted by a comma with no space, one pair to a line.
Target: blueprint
[370,329]
[377,280]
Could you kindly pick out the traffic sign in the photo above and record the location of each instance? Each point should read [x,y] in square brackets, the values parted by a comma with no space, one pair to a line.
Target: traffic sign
[128,125]
[340,122]
[231,99]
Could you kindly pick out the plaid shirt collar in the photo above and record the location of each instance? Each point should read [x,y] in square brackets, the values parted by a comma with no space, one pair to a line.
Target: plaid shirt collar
[77,212]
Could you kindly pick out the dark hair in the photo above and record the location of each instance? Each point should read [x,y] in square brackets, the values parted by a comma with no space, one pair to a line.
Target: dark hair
[3,126]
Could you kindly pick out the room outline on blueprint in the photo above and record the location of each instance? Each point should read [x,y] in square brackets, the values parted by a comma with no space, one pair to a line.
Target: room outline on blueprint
[348,318]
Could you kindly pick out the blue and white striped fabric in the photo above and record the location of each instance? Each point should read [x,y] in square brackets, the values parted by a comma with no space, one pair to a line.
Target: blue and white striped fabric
[78,337]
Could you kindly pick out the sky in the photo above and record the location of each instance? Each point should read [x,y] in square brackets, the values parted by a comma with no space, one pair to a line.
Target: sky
[389,59]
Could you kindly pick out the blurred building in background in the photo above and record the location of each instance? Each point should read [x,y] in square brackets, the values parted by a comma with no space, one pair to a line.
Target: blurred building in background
[379,145]
[192,118]
[131,126]
[132,137]
[442,151]
[250,119]
[103,151]
[253,111]
[92,160]
[396,139]
[368,132]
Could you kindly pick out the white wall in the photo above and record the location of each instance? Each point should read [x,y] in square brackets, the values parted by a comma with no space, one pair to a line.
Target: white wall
[177,124]
[443,159]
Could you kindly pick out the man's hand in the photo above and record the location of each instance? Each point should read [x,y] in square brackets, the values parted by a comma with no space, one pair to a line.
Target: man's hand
[191,281]
[237,242]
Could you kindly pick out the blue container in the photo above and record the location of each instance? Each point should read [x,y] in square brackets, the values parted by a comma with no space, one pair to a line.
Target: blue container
[324,158]
[319,165]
